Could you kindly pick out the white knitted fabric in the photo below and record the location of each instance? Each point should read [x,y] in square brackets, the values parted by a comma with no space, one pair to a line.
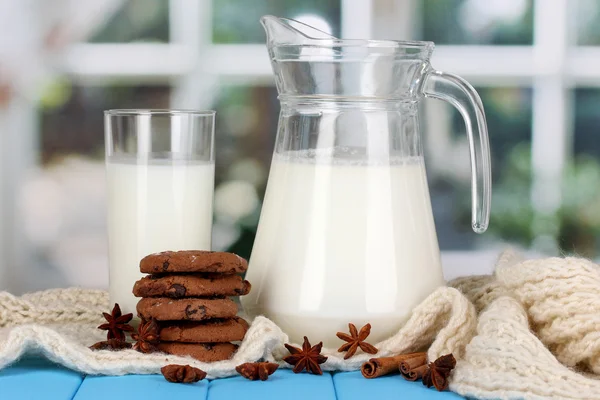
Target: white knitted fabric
[508,358]
[487,327]
[61,324]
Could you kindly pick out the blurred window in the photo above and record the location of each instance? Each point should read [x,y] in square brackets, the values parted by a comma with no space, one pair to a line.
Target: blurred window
[508,112]
[588,22]
[580,211]
[72,120]
[63,200]
[587,122]
[232,26]
[136,21]
[210,54]
[478,21]
[246,124]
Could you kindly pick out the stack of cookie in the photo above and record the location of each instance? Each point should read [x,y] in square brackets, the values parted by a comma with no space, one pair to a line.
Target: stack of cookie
[187,294]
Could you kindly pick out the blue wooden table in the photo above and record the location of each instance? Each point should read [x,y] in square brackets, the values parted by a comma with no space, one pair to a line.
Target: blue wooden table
[36,378]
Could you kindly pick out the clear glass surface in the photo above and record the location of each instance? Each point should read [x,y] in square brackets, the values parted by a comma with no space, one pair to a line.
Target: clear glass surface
[160,180]
[346,231]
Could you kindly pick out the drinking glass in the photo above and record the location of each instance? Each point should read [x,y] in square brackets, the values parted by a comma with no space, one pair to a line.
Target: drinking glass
[160,179]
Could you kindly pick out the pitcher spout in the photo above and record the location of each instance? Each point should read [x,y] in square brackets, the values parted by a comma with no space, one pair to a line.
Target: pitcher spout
[309,62]
[288,32]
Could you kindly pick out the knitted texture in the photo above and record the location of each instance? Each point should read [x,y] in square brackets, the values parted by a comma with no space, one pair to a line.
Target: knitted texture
[484,321]
[508,358]
[61,324]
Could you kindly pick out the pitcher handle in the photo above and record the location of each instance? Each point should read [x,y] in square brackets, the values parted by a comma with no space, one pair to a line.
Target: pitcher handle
[459,93]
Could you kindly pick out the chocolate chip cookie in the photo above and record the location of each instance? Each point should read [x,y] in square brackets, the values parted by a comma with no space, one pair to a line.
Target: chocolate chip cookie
[190,261]
[212,331]
[177,286]
[188,309]
[207,352]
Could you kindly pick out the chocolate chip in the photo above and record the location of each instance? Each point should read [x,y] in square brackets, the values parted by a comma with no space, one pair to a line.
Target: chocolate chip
[189,311]
[238,290]
[202,310]
[176,290]
[165,266]
[207,346]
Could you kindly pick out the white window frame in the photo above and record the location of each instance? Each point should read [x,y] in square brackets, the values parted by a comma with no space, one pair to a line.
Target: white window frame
[194,67]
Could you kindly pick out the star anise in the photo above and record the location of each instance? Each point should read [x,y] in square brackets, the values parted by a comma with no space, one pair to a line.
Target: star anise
[257,370]
[111,344]
[439,371]
[308,358]
[117,324]
[146,337]
[355,340]
[182,373]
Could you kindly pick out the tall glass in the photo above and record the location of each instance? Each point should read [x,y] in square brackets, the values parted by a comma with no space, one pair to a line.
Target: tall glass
[160,178]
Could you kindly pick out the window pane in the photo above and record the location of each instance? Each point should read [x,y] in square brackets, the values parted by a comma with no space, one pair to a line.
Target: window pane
[587,122]
[72,116]
[136,20]
[478,21]
[246,125]
[588,22]
[63,200]
[235,24]
[580,216]
[508,112]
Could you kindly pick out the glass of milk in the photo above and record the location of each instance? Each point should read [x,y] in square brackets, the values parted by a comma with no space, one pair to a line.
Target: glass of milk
[160,177]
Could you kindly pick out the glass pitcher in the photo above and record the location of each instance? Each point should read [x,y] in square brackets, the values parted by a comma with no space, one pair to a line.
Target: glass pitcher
[346,232]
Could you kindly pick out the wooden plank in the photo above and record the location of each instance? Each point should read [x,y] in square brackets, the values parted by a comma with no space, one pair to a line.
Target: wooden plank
[147,387]
[283,384]
[38,378]
[353,386]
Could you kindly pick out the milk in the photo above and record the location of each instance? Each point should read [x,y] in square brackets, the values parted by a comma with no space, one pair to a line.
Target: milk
[154,207]
[343,242]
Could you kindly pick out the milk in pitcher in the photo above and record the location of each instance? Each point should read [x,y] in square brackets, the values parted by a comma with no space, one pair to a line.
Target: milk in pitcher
[343,240]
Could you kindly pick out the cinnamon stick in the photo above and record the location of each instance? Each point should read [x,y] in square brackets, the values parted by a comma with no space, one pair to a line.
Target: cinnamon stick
[377,367]
[415,373]
[409,364]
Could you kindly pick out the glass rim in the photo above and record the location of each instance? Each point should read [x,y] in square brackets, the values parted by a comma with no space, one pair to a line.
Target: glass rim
[370,43]
[331,41]
[125,112]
